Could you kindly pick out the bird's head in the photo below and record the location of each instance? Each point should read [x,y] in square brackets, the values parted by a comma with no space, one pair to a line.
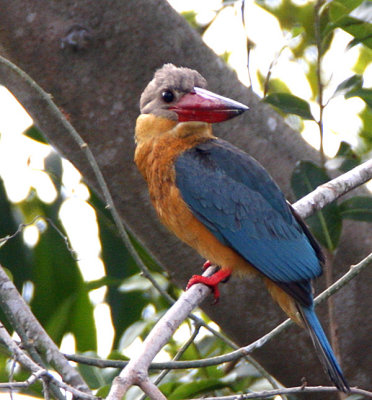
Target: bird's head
[179,94]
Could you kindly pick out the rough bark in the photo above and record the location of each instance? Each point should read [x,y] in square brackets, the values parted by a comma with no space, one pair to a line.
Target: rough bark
[98,87]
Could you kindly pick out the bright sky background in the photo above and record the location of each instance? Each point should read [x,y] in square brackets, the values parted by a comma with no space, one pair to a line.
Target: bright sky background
[21,160]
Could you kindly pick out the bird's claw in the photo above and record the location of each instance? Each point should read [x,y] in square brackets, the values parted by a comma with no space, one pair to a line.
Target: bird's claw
[211,281]
[206,265]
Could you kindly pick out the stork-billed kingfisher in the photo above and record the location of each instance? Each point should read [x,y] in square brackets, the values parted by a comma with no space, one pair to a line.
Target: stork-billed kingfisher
[222,202]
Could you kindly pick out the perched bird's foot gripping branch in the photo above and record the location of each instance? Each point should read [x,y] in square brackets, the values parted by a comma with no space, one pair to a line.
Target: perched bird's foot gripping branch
[212,281]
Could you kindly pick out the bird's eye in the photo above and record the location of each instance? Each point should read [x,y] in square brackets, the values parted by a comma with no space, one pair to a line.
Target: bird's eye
[167,96]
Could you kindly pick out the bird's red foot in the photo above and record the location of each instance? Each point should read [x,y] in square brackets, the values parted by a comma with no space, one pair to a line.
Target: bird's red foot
[212,281]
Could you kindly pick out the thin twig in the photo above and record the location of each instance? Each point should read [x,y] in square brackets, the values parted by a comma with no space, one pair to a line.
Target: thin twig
[318,39]
[270,70]
[249,45]
[294,390]
[179,354]
[22,226]
[24,384]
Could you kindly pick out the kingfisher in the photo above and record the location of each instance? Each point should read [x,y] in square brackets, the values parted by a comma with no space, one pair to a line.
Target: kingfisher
[223,203]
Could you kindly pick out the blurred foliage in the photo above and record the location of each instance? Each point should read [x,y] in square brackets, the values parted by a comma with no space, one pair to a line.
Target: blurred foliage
[48,273]
[300,22]
[49,276]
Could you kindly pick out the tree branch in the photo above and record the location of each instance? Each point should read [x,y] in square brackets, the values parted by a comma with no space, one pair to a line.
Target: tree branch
[30,330]
[136,372]
[332,190]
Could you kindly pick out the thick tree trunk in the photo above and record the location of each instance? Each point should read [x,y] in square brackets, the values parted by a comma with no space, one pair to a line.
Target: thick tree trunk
[98,86]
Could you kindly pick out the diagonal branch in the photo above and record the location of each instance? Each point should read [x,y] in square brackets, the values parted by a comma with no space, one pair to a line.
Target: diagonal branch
[332,190]
[136,372]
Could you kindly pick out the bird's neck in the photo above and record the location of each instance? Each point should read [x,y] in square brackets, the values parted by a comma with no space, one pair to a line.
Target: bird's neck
[163,139]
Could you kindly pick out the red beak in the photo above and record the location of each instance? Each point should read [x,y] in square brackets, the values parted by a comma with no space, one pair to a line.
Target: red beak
[205,106]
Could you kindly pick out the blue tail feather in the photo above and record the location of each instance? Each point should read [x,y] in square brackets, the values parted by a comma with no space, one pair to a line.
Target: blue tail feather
[324,350]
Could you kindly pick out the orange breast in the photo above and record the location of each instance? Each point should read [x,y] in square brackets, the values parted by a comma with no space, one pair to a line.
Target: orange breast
[155,157]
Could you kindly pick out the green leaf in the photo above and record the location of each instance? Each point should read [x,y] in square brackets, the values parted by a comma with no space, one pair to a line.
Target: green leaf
[93,376]
[306,177]
[196,388]
[364,94]
[290,104]
[140,283]
[53,167]
[14,255]
[82,323]
[346,158]
[126,307]
[103,391]
[297,30]
[277,85]
[33,133]
[340,8]
[61,301]
[364,40]
[326,224]
[169,387]
[358,208]
[362,31]
[366,132]
[59,284]
[56,325]
[364,60]
[354,82]
[131,333]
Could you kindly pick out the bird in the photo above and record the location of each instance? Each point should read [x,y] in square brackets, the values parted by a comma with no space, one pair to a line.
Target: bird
[220,201]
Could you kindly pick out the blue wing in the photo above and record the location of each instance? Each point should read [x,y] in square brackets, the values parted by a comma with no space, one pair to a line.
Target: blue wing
[237,200]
